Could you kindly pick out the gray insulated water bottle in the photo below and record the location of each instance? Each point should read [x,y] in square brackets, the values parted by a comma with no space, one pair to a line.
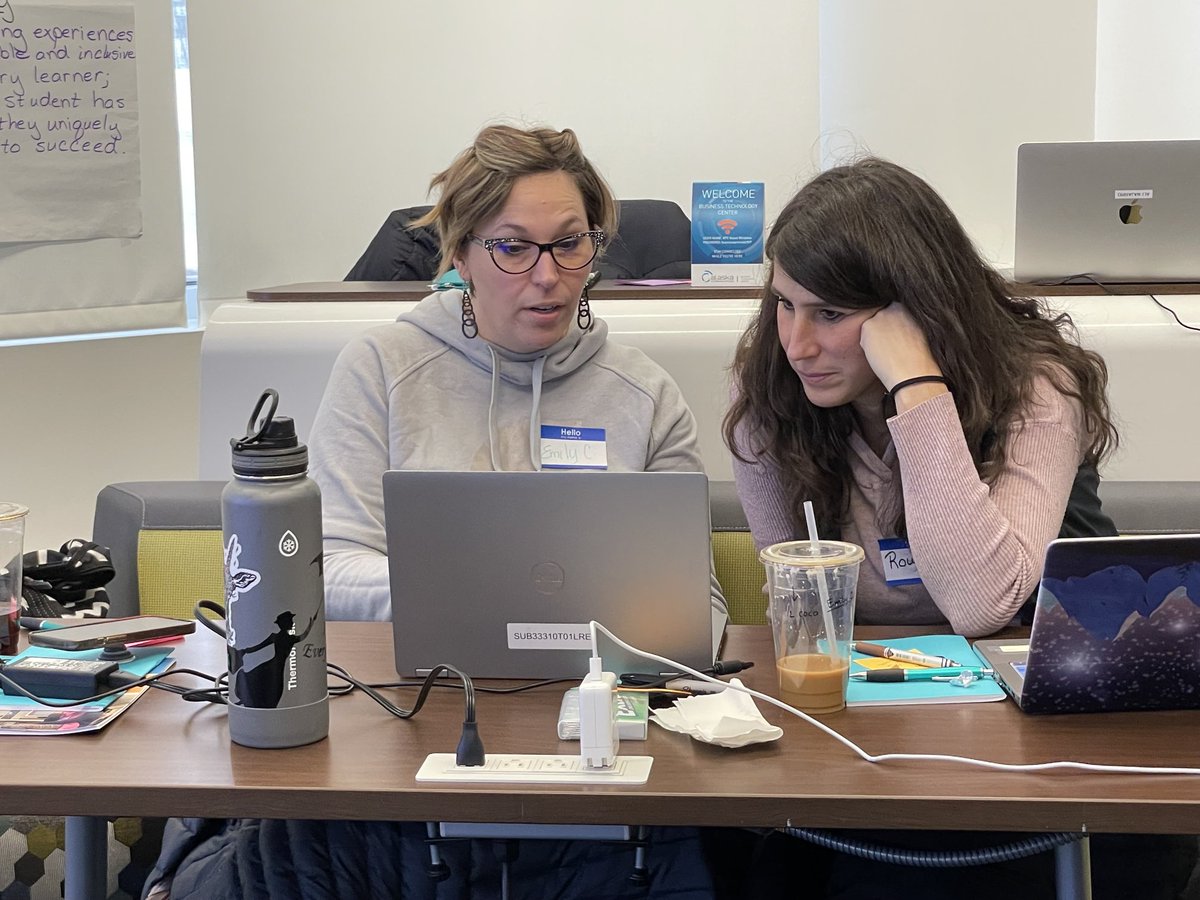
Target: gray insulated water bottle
[274,588]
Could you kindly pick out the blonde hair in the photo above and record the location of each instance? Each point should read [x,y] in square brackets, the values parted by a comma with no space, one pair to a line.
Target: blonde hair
[477,184]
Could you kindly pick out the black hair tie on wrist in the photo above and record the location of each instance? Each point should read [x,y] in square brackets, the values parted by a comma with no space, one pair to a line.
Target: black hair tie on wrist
[889,399]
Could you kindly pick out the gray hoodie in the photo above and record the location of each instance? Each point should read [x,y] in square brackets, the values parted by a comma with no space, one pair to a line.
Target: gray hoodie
[418,395]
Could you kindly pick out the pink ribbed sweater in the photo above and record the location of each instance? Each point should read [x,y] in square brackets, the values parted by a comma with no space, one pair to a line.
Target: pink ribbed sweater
[979,548]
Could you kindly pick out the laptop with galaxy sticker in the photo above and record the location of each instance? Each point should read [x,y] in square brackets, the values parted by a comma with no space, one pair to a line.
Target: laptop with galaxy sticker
[1116,627]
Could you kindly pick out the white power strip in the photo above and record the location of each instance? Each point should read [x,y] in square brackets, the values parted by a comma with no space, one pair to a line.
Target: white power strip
[527,768]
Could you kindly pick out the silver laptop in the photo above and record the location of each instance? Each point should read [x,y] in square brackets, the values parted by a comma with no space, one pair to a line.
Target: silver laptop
[1115,210]
[1116,627]
[499,573]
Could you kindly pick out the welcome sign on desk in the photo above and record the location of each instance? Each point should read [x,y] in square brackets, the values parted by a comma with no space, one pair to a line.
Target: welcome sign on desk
[951,646]
[727,233]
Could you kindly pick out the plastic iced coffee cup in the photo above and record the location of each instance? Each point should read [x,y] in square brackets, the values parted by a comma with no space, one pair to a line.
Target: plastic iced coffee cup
[810,608]
[12,545]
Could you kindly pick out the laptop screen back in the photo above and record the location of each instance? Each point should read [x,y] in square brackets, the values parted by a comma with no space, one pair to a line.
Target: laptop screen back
[1119,211]
[1117,626]
[498,573]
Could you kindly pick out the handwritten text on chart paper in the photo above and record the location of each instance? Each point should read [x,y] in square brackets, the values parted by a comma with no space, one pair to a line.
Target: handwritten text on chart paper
[69,122]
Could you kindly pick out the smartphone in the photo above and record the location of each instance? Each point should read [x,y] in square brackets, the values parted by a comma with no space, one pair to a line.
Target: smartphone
[101,632]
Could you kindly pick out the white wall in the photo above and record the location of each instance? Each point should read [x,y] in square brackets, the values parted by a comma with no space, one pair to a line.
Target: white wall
[314,120]
[78,415]
[941,85]
[950,88]
[1148,70]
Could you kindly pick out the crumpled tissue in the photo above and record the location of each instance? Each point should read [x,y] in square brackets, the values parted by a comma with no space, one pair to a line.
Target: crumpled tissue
[727,719]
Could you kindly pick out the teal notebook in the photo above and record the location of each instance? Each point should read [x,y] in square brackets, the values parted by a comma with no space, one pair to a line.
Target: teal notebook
[951,646]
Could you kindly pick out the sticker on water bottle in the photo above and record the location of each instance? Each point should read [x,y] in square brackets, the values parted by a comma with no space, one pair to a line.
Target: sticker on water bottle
[289,544]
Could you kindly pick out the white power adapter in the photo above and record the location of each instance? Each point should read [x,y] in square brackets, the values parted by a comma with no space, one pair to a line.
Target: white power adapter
[598,737]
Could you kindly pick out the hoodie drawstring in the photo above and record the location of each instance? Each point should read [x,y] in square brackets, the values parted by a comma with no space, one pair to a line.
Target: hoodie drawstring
[535,415]
[491,409]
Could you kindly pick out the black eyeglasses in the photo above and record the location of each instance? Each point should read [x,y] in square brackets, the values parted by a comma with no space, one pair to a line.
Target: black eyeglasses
[514,255]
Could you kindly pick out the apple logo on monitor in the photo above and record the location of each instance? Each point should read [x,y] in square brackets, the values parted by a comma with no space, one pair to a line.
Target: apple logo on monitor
[1130,213]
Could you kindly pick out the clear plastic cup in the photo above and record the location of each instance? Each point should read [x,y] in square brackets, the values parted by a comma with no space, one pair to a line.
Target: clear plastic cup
[12,546]
[810,609]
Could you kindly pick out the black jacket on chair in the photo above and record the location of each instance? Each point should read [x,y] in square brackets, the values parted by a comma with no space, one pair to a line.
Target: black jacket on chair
[653,241]
[399,252]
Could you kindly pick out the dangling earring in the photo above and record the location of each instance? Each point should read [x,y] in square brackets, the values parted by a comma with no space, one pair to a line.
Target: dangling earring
[469,328]
[584,314]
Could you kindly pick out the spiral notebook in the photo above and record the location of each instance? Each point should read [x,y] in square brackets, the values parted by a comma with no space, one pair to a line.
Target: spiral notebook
[951,646]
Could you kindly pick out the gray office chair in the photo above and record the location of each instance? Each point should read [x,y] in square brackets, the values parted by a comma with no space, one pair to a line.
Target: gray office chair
[652,241]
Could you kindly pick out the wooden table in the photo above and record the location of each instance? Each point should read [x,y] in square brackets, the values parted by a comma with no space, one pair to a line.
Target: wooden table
[415,290]
[165,757]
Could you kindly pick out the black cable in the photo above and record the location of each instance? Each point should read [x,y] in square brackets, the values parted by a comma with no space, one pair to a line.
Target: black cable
[121,681]
[1088,277]
[1172,312]
[211,606]
[63,704]
[935,859]
[482,689]
[649,680]
[470,747]
[215,694]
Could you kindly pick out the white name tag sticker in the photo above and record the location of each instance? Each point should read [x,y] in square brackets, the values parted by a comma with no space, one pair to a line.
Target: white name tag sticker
[572,447]
[1134,194]
[549,636]
[898,564]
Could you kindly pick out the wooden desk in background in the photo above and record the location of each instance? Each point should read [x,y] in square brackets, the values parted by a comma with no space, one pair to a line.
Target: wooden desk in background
[606,290]
[416,290]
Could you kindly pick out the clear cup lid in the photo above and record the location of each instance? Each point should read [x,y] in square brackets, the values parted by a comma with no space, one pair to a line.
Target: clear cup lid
[802,553]
[10,510]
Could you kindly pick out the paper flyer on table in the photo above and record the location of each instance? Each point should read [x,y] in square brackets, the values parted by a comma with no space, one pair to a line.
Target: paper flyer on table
[19,715]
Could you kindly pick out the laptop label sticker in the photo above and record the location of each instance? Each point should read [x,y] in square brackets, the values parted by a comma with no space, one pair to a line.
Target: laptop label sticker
[573,447]
[899,567]
[549,636]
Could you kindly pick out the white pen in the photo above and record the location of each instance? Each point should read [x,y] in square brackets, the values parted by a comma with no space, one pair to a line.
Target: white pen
[908,656]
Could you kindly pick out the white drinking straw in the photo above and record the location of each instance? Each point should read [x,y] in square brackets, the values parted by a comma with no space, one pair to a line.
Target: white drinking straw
[822,584]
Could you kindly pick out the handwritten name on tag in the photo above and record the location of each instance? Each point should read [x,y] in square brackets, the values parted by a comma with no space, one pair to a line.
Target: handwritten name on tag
[899,567]
[571,447]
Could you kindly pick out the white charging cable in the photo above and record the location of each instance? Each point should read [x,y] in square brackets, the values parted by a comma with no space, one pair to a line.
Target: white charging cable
[896,757]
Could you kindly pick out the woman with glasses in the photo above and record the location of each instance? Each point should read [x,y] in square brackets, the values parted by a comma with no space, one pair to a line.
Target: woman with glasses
[469,378]
[466,380]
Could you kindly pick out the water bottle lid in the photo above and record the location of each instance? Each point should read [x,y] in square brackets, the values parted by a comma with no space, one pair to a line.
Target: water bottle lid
[270,447]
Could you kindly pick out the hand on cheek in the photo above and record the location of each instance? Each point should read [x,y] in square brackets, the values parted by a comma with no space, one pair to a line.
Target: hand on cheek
[895,346]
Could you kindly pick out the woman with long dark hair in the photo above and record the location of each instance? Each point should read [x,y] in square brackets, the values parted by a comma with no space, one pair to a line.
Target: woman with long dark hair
[895,379]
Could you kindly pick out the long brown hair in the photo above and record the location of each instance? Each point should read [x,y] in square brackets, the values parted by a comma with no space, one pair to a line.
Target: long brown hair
[866,235]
